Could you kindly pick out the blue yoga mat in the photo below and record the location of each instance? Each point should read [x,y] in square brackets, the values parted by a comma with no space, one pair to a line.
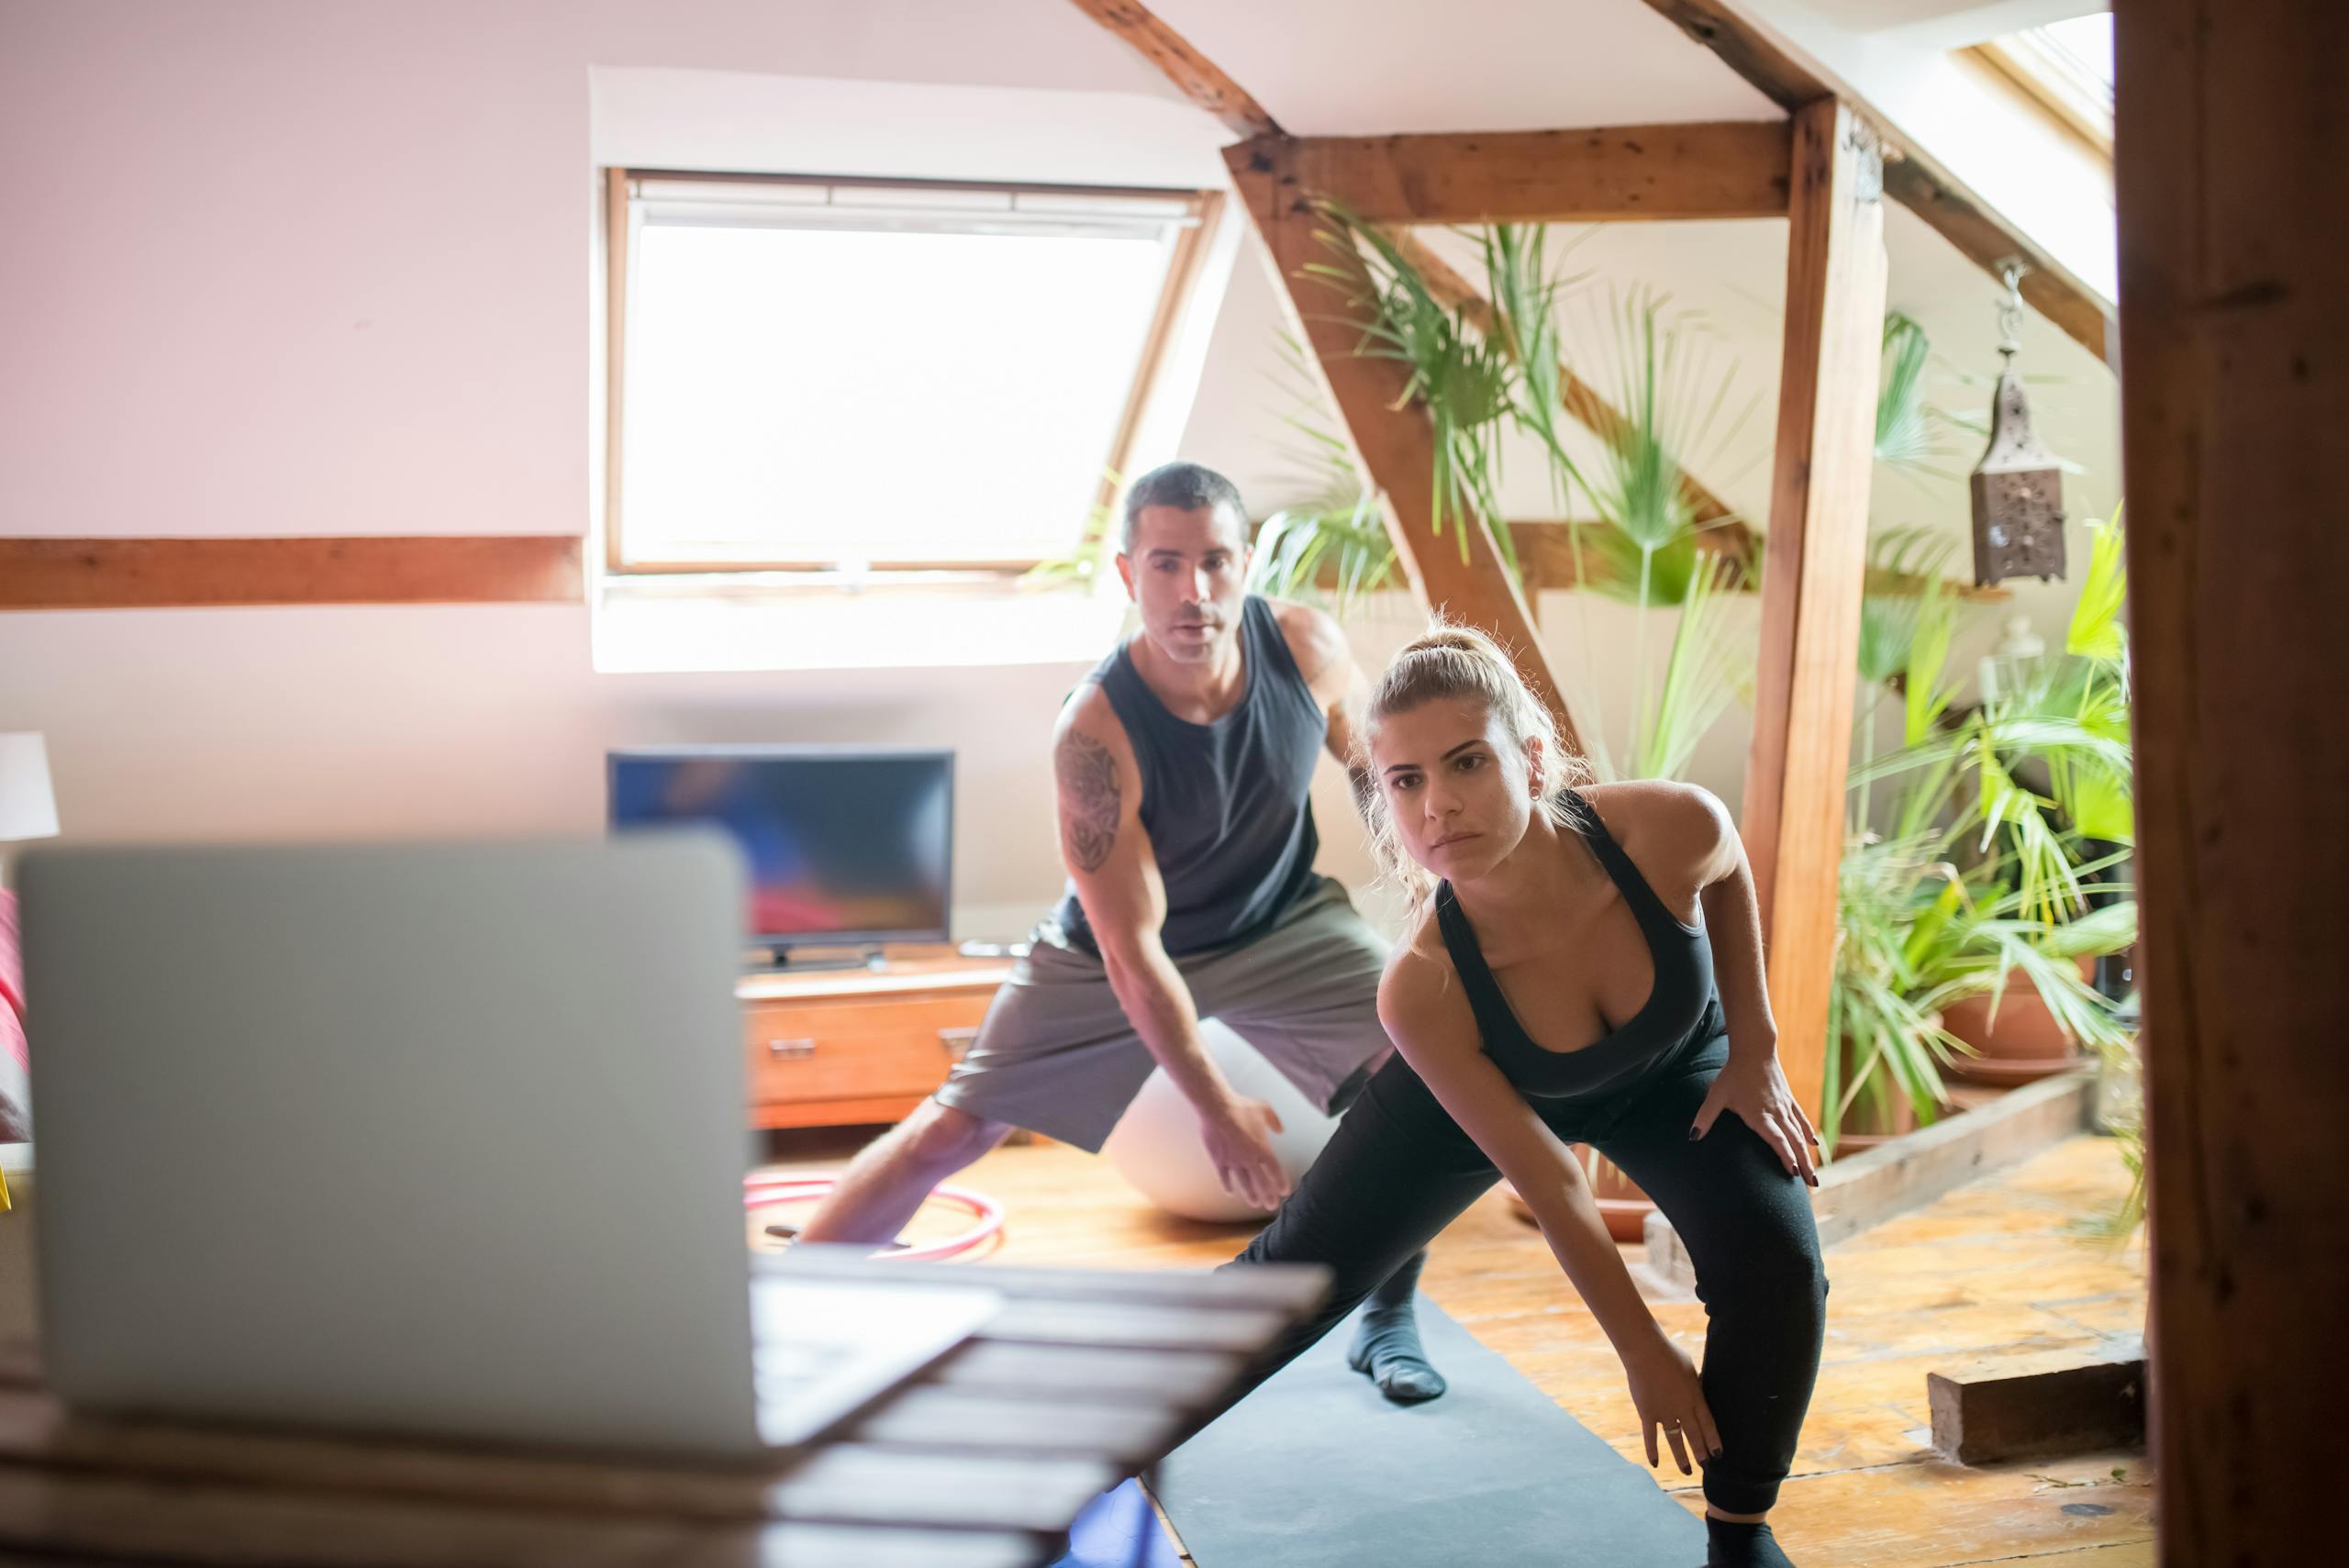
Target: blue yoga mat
[1119,1530]
[1316,1469]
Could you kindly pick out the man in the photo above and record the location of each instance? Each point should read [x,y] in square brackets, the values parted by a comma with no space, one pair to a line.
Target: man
[1182,767]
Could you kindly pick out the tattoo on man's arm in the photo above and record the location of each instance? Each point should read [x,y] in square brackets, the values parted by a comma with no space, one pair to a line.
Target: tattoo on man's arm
[1088,784]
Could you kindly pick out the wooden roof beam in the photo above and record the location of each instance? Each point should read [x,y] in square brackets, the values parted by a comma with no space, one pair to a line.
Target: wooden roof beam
[1618,173]
[1201,79]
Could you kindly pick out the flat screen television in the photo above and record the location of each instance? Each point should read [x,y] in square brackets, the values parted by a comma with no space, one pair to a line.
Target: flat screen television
[846,847]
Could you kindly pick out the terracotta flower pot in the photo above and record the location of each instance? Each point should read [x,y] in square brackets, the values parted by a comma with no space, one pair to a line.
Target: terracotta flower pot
[2021,1045]
[1622,1204]
[1866,1125]
[1859,1133]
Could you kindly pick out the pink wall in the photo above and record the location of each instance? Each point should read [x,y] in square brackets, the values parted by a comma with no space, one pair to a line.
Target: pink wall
[322,267]
[305,267]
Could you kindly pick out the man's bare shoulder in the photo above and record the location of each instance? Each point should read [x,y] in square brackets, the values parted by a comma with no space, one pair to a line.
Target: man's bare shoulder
[1318,643]
[1089,712]
[1089,740]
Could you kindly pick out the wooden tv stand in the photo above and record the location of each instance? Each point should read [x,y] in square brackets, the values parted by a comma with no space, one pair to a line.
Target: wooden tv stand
[833,1048]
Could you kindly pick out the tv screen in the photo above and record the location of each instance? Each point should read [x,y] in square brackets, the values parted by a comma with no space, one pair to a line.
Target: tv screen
[844,847]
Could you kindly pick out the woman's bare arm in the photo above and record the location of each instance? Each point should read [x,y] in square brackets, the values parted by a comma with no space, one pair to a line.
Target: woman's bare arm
[1682,838]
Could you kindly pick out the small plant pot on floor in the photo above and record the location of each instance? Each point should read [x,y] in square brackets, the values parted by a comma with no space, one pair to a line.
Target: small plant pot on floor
[2021,1044]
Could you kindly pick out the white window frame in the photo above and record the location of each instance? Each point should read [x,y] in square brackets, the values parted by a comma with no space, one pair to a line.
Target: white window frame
[863,202]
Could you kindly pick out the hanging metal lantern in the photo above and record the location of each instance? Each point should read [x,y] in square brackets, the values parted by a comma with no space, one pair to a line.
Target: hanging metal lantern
[2018,485]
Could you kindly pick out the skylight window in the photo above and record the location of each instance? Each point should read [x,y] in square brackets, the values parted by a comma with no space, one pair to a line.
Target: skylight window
[2067,68]
[834,377]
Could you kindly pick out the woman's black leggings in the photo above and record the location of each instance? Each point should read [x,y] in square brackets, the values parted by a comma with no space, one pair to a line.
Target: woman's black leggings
[1399,1168]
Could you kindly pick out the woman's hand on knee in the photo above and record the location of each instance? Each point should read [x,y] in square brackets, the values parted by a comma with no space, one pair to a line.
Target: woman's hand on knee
[1756,1090]
[1665,1388]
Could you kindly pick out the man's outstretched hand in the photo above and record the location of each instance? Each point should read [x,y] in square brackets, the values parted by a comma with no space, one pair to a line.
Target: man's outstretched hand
[1239,1137]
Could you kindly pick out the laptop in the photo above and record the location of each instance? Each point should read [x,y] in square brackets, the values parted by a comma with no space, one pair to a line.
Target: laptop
[436,1140]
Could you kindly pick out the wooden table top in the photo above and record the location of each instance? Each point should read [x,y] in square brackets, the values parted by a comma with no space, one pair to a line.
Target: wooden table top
[983,1462]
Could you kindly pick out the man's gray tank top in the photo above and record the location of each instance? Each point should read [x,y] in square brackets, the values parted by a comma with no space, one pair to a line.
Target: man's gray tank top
[1225,803]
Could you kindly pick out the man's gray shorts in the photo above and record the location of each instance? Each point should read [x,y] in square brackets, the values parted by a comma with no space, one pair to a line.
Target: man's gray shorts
[1057,1056]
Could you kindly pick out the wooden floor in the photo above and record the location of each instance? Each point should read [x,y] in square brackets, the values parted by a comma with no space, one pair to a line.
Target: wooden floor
[2004,1264]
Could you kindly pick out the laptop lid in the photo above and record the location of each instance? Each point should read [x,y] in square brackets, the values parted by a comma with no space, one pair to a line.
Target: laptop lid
[441,1139]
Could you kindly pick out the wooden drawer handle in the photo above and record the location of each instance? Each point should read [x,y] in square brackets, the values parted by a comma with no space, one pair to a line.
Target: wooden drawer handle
[957,1042]
[791,1050]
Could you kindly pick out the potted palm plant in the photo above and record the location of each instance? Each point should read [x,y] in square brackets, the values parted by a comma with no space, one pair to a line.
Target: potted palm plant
[2027,1007]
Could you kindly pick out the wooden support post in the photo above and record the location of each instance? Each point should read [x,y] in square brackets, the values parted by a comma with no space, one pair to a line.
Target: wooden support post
[1814,562]
[1392,442]
[2233,165]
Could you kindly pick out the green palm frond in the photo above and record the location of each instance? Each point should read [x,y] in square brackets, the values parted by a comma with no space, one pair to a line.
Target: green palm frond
[1088,559]
[1297,545]
[1636,483]
[1899,906]
[2096,630]
[1908,429]
[1711,664]
[1463,381]
[1891,612]
[1525,295]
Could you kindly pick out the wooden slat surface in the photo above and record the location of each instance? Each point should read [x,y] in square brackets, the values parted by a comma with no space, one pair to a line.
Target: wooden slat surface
[1147,1377]
[119,1521]
[936,1416]
[985,1458]
[1732,168]
[154,573]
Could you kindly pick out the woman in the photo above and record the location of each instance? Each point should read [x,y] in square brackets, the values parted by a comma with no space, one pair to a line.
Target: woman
[1588,970]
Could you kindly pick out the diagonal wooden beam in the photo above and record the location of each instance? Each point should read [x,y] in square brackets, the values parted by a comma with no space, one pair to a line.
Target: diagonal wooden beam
[1814,571]
[1733,169]
[1201,79]
[1720,529]
[1911,176]
[1391,441]
[1959,216]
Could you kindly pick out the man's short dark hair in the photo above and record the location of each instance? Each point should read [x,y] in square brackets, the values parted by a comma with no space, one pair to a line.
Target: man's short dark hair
[1186,487]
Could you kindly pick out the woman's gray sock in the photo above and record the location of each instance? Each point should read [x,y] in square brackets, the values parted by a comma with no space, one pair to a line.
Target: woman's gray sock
[1386,1345]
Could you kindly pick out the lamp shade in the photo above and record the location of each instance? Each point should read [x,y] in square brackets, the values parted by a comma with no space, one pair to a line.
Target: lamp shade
[27,809]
